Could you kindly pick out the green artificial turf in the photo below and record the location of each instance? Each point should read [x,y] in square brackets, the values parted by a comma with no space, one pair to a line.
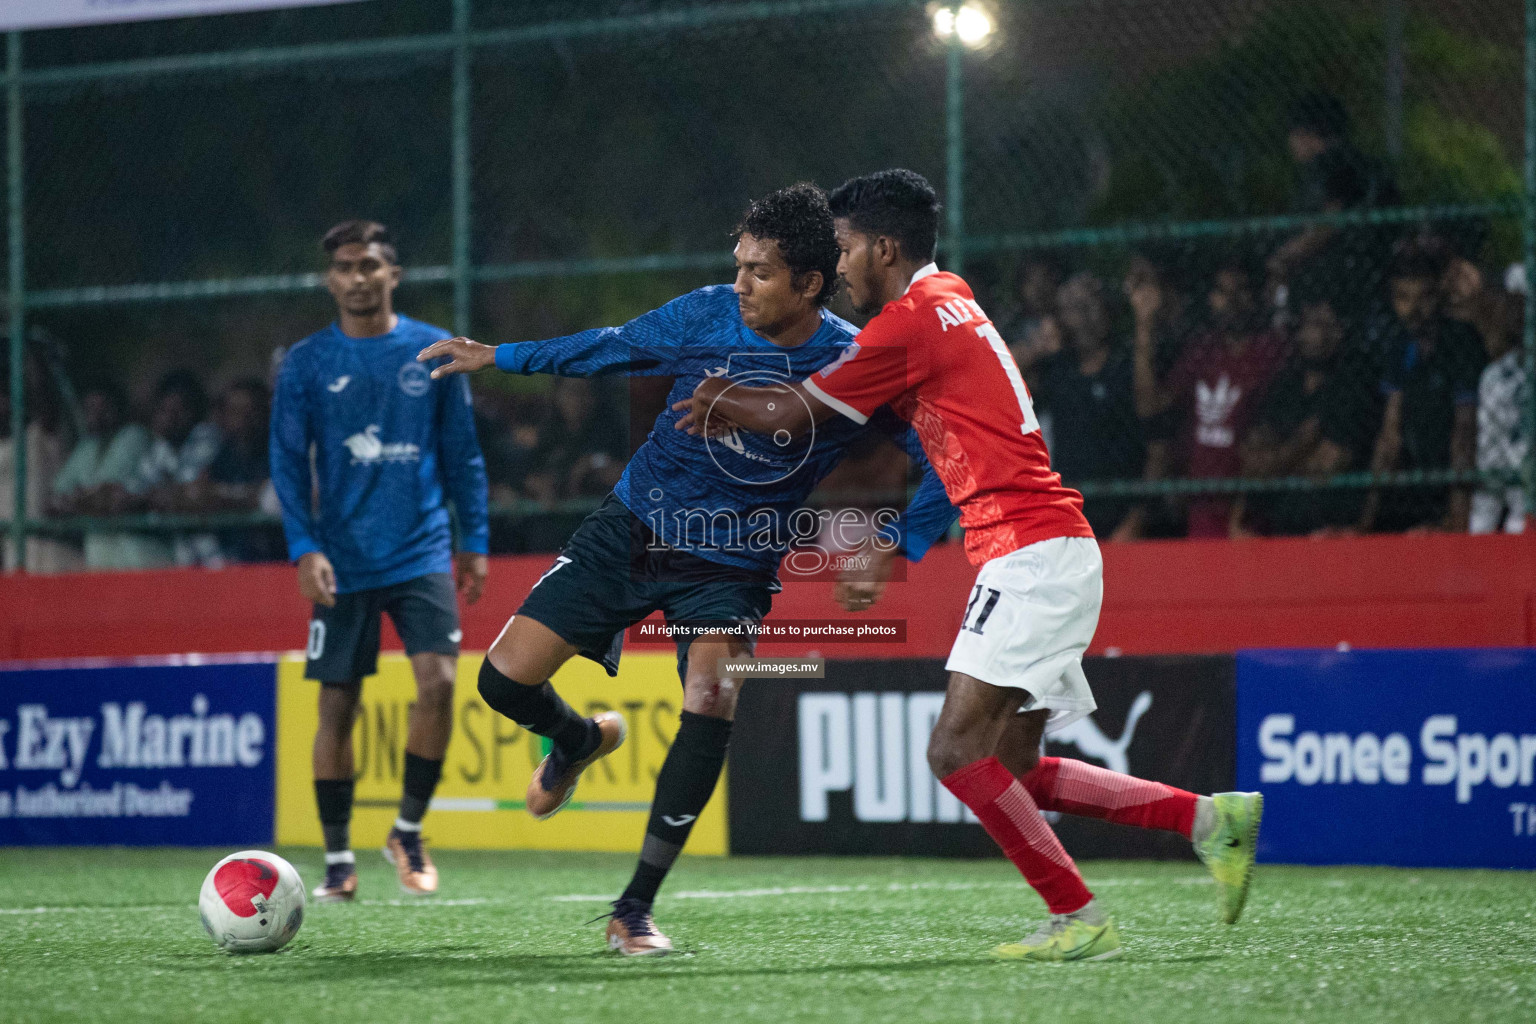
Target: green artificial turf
[113,935]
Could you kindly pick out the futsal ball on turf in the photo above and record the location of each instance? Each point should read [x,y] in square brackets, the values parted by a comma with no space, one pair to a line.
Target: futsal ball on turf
[252,902]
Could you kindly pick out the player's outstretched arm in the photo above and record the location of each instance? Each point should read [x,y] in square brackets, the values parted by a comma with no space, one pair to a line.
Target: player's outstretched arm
[464,356]
[718,404]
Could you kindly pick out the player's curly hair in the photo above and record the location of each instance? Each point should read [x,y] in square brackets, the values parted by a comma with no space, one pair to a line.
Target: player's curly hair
[799,219]
[898,204]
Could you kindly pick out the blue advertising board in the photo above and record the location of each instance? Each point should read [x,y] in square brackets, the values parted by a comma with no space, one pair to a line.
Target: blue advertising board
[171,754]
[1408,758]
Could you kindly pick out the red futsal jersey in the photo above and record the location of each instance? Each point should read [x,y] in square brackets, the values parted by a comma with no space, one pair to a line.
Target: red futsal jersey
[935,358]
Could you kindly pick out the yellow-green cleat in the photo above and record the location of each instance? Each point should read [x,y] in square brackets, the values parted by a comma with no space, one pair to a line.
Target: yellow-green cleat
[1228,850]
[1064,938]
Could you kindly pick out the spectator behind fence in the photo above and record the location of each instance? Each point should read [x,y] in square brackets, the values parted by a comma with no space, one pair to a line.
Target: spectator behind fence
[1320,419]
[1430,380]
[45,454]
[508,428]
[238,478]
[95,478]
[1503,396]
[182,447]
[1217,388]
[1033,301]
[581,450]
[1334,176]
[1086,387]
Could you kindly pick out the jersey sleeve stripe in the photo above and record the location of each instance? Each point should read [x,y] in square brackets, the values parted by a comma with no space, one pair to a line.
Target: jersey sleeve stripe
[835,403]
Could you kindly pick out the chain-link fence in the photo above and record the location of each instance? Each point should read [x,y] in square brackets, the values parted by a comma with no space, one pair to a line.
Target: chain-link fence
[1252,255]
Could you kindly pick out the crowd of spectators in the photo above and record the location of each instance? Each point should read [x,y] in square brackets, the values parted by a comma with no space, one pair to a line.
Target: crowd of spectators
[185,454]
[1336,350]
[1142,383]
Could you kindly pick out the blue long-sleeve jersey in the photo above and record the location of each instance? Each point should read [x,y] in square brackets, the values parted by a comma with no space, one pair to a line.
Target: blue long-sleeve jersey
[389,442]
[736,499]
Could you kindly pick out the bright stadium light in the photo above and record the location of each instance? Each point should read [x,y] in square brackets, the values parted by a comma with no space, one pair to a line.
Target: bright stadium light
[971,23]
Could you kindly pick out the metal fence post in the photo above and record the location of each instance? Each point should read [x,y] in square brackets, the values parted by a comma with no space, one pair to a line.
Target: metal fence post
[954,127]
[15,179]
[1395,30]
[1528,230]
[461,176]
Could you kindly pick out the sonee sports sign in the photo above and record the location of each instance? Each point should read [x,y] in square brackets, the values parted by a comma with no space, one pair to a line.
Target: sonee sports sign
[1412,758]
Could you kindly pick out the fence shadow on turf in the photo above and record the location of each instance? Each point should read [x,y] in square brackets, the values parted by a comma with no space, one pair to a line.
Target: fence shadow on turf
[447,965]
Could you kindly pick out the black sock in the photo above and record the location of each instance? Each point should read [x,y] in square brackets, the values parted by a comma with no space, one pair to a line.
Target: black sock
[421,775]
[334,799]
[541,710]
[688,777]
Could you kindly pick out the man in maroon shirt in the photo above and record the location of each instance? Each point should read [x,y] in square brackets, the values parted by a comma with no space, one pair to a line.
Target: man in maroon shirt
[1218,386]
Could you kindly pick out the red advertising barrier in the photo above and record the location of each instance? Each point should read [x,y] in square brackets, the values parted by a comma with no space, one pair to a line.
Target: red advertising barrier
[1163,597]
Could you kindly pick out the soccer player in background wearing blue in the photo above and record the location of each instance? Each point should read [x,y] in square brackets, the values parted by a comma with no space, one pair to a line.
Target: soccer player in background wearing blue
[695,527]
[388,445]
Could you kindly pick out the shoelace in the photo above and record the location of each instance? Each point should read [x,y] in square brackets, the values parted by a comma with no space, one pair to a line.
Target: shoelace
[411,844]
[632,914]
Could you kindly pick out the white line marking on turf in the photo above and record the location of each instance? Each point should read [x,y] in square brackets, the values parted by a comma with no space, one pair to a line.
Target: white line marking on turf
[179,906]
[92,910]
[427,902]
[462,803]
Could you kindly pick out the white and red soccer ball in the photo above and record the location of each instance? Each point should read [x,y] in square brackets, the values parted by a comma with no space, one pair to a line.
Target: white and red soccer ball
[252,902]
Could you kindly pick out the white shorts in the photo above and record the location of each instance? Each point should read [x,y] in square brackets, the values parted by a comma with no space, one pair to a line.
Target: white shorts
[1027,622]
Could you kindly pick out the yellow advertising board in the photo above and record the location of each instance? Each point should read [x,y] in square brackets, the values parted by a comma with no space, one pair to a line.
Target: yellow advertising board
[479,802]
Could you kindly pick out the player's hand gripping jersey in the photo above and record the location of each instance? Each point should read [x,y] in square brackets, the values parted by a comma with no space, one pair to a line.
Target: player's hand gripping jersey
[936,359]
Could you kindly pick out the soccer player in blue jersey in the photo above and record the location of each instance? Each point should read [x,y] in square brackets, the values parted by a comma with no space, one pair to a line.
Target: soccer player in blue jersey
[386,446]
[696,527]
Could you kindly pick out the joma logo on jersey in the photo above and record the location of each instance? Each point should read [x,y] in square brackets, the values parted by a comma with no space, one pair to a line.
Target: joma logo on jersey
[958,311]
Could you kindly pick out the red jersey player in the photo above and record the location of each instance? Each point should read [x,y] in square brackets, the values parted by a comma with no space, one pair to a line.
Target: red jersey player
[1015,670]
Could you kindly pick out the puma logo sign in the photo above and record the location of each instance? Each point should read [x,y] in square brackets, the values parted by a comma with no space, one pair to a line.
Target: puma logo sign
[679,821]
[338,385]
[1086,736]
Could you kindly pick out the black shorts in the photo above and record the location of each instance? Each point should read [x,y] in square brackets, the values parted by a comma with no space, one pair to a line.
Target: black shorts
[612,573]
[344,640]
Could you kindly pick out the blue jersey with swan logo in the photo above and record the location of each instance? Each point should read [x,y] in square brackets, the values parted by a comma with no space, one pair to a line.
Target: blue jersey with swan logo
[390,446]
[730,499]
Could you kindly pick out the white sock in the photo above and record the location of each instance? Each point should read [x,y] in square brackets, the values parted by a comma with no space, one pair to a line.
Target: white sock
[1090,913]
[407,826]
[340,857]
[1205,820]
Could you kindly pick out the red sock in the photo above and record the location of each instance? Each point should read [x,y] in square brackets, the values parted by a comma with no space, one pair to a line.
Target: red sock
[1076,787]
[1011,818]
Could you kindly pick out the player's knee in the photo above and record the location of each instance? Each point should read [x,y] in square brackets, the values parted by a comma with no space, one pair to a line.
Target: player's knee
[944,755]
[502,694]
[951,749]
[435,696]
[711,697]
